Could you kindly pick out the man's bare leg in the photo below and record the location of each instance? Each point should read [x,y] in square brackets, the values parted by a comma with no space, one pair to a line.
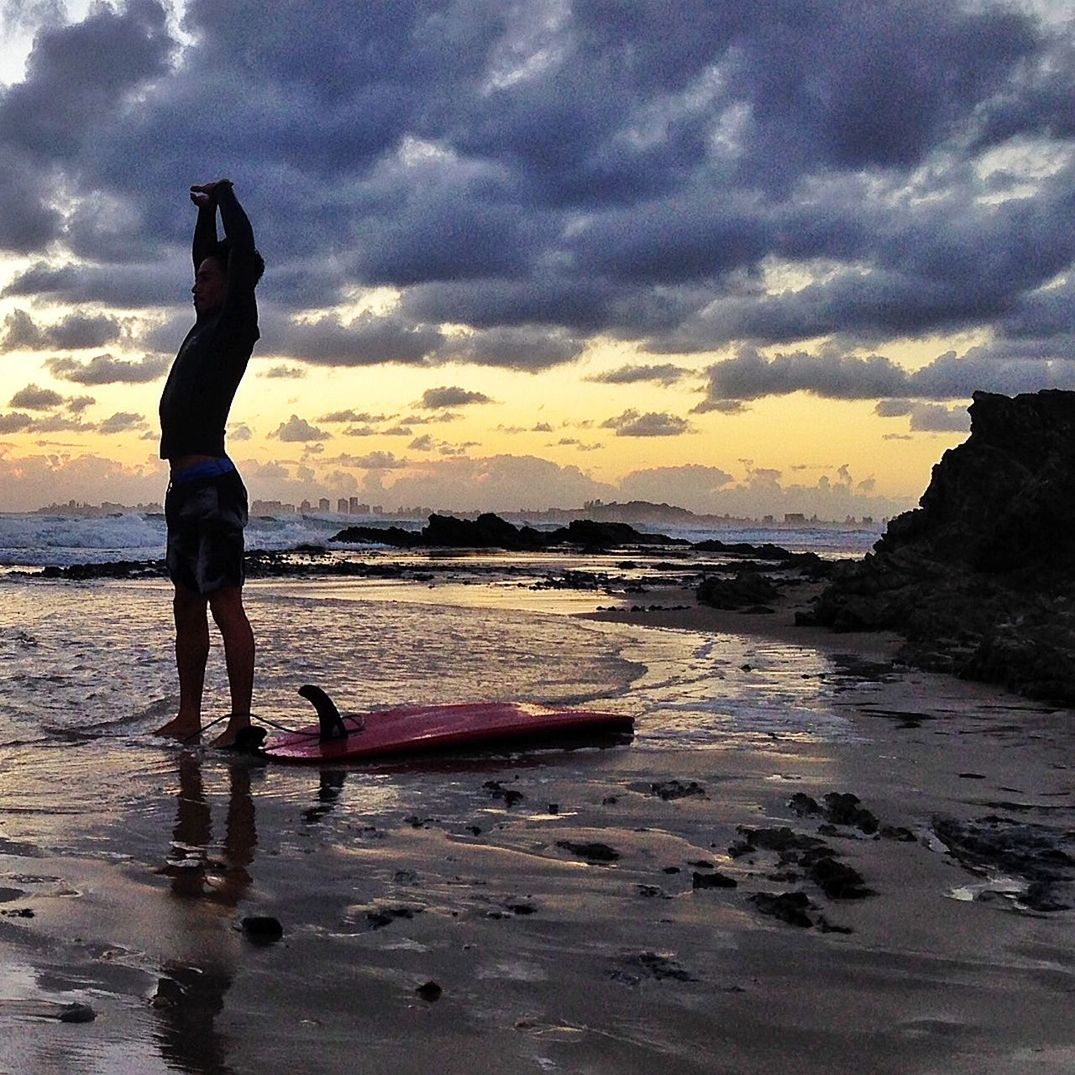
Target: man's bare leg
[230,616]
[191,654]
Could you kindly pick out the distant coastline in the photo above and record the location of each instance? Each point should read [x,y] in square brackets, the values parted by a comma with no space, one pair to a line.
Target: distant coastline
[634,512]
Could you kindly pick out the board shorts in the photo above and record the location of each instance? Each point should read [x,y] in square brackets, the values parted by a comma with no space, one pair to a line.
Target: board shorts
[205,517]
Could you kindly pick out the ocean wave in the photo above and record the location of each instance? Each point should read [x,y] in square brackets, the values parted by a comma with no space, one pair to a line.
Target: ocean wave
[40,540]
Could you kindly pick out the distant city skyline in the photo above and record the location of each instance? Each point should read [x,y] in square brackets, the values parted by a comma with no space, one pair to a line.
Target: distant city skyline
[747,259]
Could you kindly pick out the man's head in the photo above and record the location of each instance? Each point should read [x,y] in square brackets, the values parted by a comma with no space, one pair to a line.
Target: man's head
[210,285]
[211,279]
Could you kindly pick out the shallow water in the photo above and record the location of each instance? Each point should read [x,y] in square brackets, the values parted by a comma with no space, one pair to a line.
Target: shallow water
[137,858]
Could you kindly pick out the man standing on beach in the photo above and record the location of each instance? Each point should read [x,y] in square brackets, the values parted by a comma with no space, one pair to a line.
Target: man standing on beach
[206,503]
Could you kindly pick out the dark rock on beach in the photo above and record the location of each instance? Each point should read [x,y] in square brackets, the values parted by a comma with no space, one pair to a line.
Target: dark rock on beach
[743,590]
[489,531]
[262,929]
[838,808]
[979,578]
[1042,856]
[591,852]
[790,907]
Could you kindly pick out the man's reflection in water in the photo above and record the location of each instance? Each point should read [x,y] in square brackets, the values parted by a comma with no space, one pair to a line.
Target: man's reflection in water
[190,996]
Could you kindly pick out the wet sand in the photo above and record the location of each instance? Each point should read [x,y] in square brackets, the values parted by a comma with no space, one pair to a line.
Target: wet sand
[598,911]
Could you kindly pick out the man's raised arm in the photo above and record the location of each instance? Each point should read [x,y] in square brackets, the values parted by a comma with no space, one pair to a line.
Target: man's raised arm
[242,256]
[205,237]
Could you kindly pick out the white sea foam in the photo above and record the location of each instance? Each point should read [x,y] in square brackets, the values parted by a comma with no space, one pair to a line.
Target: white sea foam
[41,540]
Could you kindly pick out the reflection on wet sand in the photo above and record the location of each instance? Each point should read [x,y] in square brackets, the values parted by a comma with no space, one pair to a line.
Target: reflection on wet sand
[328,792]
[189,997]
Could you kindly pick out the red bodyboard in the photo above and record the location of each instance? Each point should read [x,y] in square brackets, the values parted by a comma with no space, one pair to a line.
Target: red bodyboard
[424,728]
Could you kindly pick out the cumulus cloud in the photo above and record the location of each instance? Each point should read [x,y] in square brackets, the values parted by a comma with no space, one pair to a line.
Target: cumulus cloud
[71,333]
[15,422]
[104,369]
[298,431]
[666,374]
[633,424]
[933,418]
[436,399]
[284,373]
[349,415]
[691,486]
[372,461]
[36,399]
[121,422]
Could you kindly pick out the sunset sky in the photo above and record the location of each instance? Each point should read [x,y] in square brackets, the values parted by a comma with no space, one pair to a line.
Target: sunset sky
[740,257]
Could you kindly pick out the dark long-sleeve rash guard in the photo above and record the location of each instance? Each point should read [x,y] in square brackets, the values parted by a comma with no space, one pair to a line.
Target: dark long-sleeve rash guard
[212,360]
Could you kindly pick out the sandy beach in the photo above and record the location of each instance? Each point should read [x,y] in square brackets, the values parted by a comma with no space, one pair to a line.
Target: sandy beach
[697,908]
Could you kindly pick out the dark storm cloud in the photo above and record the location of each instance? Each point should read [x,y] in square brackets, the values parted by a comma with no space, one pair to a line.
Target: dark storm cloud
[365,341]
[513,348]
[127,287]
[749,376]
[561,170]
[82,78]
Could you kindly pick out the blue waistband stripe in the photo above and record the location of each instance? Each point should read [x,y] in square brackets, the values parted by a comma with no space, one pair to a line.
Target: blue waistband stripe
[211,468]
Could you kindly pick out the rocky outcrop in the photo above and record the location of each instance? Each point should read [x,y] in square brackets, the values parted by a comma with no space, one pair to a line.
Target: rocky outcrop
[489,531]
[980,578]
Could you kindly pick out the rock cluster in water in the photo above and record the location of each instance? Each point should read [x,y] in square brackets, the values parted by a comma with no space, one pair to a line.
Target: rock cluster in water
[489,531]
[980,579]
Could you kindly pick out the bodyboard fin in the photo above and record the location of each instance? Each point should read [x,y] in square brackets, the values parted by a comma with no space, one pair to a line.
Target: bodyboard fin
[328,716]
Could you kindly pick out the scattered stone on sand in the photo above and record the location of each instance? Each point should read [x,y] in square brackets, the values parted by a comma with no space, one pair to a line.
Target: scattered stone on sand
[262,929]
[381,915]
[712,880]
[592,852]
[836,879]
[653,892]
[800,855]
[840,808]
[782,840]
[509,795]
[76,1013]
[677,789]
[898,832]
[790,907]
[655,965]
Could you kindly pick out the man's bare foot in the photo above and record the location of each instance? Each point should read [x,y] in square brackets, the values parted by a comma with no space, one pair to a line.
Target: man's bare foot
[236,723]
[180,728]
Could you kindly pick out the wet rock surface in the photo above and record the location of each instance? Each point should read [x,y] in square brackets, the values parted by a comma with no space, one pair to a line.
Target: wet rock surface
[489,531]
[979,579]
[1040,856]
